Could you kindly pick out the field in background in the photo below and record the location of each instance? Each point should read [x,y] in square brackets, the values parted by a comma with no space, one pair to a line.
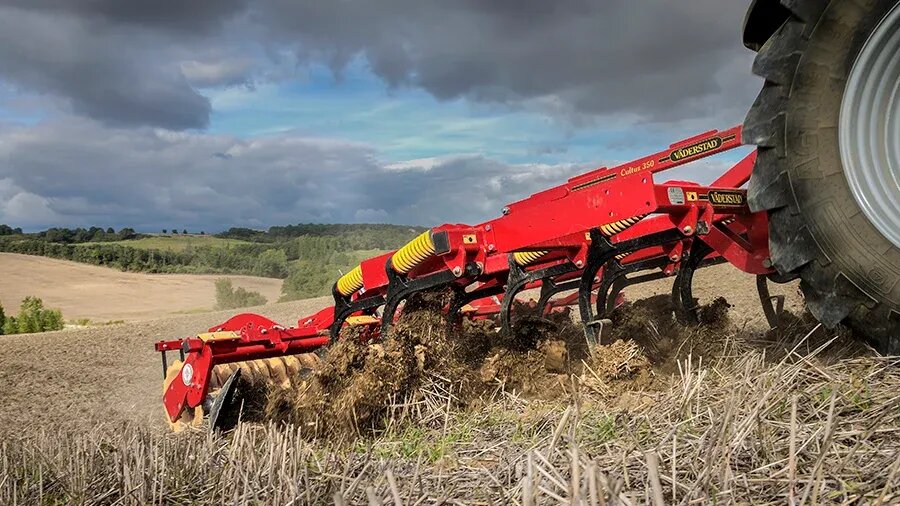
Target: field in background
[175,242]
[101,294]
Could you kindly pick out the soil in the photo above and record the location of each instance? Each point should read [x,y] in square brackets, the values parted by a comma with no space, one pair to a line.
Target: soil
[360,383]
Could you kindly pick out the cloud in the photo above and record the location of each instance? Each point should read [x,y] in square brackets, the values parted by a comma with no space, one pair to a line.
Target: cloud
[24,208]
[120,76]
[80,173]
[218,73]
[655,59]
[140,63]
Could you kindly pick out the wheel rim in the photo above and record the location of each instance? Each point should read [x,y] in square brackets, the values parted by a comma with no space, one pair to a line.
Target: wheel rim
[869,129]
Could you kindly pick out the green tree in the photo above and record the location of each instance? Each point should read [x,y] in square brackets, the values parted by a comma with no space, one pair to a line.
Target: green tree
[271,263]
[126,234]
[10,326]
[2,319]
[227,297]
[33,317]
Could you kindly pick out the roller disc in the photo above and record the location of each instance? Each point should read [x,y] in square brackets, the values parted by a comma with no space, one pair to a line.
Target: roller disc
[189,417]
[255,376]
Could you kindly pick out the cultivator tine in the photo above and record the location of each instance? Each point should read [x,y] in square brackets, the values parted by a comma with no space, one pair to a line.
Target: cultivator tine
[461,298]
[454,318]
[343,308]
[772,306]
[615,279]
[519,278]
[400,288]
[613,273]
[549,288]
[553,289]
[600,253]
[682,289]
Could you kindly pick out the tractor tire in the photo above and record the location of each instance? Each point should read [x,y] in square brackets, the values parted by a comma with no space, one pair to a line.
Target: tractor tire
[846,253]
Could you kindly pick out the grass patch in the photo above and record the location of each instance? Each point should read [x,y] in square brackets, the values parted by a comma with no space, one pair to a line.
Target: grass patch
[87,322]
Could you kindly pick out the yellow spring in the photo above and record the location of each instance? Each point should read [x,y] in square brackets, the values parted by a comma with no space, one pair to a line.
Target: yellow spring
[350,282]
[618,226]
[413,254]
[526,257]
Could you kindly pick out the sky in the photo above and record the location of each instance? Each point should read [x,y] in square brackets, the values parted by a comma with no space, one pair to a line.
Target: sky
[217,113]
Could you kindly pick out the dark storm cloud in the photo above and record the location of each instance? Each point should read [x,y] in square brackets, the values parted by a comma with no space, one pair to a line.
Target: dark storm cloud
[192,17]
[80,173]
[138,62]
[98,69]
[653,58]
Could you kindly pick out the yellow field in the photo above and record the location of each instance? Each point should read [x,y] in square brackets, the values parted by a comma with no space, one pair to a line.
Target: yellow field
[101,294]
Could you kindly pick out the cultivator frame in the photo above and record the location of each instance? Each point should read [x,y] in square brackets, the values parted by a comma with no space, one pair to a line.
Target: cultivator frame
[595,234]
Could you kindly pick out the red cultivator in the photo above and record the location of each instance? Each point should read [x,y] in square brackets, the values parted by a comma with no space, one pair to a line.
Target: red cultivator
[594,234]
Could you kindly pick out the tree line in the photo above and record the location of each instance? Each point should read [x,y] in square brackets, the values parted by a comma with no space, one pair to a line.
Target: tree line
[83,235]
[362,236]
[308,257]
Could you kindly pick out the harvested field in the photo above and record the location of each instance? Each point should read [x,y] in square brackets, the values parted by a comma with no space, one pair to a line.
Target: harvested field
[101,294]
[667,414]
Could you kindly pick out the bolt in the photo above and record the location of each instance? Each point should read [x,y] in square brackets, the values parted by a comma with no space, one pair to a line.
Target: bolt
[579,263]
[457,271]
[490,247]
[767,263]
[674,258]
[688,230]
[480,266]
[488,227]
[505,211]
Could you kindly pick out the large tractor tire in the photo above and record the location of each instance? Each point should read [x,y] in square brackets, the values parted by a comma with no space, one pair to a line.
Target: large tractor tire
[827,125]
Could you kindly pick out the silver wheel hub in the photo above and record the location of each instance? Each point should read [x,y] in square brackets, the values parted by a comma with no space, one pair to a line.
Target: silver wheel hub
[869,129]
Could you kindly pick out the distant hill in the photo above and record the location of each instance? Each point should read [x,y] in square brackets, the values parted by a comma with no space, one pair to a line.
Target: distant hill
[309,257]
